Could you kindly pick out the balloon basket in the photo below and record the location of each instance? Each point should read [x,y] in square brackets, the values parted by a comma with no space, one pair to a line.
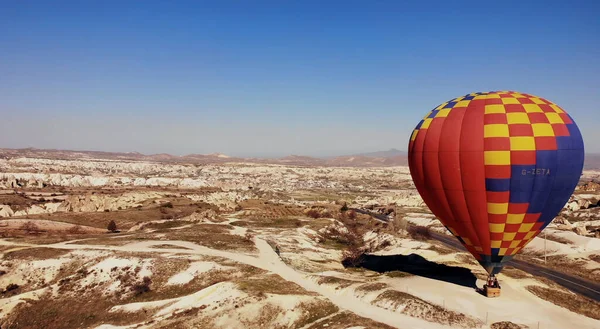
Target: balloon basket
[492,288]
[491,292]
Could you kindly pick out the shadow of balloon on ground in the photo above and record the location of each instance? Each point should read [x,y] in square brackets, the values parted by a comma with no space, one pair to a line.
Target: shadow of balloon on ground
[416,265]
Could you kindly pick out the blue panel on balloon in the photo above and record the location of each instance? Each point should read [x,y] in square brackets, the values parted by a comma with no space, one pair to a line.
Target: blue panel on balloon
[522,178]
[571,166]
[537,201]
[520,197]
[563,142]
[563,175]
[576,138]
[545,170]
[497,184]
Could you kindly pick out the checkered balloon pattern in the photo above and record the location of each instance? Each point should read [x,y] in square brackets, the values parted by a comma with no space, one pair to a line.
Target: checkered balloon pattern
[496,168]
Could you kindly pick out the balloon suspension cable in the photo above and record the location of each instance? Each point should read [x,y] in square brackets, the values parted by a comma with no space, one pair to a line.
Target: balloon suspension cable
[492,281]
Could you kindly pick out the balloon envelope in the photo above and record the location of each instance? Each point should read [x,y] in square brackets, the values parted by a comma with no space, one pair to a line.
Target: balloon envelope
[496,168]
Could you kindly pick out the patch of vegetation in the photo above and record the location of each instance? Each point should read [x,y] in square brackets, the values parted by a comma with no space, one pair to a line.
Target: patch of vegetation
[200,282]
[11,289]
[344,320]
[441,250]
[317,213]
[573,302]
[562,264]
[515,273]
[507,325]
[75,229]
[36,253]
[37,239]
[105,241]
[213,236]
[265,317]
[340,283]
[313,311]
[166,205]
[317,224]
[30,228]
[127,218]
[398,274]
[68,313]
[372,287]
[142,287]
[168,246]
[270,284]
[466,259]
[165,268]
[283,222]
[17,201]
[419,308]
[169,224]
[419,233]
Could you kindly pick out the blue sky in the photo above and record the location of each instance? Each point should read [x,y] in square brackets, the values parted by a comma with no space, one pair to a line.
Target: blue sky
[270,78]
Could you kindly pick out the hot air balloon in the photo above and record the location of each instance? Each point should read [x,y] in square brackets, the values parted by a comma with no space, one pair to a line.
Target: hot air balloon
[496,168]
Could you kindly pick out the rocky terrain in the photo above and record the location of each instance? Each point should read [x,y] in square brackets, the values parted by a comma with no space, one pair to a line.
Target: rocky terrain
[92,240]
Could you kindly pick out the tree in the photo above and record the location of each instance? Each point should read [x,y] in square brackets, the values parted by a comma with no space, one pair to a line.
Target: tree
[344,207]
[352,214]
[112,226]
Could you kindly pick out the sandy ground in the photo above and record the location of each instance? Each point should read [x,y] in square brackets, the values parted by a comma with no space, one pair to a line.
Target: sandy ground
[453,297]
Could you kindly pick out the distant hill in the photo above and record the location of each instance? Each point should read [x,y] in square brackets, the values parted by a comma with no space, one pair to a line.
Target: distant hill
[384,154]
[592,161]
[392,157]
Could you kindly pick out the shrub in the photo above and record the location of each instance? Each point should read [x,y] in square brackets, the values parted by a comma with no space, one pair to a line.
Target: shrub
[313,213]
[77,229]
[11,287]
[418,232]
[112,226]
[344,208]
[142,287]
[30,227]
[352,214]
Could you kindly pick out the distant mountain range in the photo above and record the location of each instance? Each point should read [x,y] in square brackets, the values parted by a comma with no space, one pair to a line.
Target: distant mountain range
[392,157]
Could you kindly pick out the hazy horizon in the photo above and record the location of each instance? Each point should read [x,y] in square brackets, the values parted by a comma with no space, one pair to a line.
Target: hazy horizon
[273,79]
